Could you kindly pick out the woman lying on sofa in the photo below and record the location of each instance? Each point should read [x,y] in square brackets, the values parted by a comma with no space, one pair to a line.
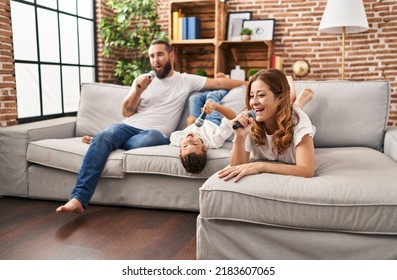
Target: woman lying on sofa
[280,132]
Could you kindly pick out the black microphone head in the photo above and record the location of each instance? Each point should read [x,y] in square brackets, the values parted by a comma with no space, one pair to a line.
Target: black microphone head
[152,74]
[252,114]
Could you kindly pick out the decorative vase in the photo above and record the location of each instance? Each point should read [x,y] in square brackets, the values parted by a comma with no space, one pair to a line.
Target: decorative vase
[245,37]
[237,73]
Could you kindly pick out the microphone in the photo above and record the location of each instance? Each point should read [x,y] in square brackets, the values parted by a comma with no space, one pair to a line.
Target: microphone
[200,120]
[250,113]
[152,74]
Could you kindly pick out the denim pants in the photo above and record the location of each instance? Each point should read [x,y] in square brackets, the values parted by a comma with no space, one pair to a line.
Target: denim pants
[116,136]
[196,102]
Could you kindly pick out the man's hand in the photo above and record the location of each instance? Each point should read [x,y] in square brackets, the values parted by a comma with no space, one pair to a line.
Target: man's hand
[142,82]
[130,103]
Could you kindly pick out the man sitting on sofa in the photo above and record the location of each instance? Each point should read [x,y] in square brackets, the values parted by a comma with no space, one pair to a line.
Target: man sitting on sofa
[152,109]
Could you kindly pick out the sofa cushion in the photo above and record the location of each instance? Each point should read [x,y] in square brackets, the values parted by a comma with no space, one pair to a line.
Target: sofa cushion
[100,106]
[165,160]
[347,113]
[67,154]
[353,191]
[235,99]
[390,145]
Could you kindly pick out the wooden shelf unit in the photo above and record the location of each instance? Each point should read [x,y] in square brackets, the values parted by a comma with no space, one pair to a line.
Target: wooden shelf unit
[247,54]
[212,52]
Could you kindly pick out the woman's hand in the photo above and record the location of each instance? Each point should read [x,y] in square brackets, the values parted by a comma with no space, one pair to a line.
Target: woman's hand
[239,171]
[246,124]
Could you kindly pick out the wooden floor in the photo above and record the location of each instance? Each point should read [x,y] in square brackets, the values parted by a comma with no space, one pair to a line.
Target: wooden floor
[31,230]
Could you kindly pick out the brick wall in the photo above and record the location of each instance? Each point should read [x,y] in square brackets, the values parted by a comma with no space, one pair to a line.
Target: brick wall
[371,55]
[105,65]
[8,99]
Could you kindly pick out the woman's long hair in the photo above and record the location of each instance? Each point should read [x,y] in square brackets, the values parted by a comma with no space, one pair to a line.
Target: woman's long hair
[278,84]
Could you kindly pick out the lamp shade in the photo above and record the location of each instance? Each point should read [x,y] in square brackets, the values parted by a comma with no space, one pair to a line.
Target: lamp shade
[344,13]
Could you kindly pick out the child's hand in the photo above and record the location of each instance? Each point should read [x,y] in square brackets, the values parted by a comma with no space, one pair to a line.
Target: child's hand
[209,107]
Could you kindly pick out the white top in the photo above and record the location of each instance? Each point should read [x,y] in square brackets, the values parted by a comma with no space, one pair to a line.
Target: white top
[161,104]
[265,152]
[214,136]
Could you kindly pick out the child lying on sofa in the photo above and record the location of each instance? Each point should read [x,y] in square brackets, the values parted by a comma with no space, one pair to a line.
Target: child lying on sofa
[195,141]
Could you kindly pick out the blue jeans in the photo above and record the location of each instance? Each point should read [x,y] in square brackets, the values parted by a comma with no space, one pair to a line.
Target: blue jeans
[196,102]
[116,136]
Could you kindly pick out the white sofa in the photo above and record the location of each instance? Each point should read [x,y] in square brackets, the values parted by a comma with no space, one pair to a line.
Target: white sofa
[42,159]
[348,210]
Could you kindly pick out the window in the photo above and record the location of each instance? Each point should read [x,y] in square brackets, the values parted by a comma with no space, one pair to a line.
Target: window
[54,51]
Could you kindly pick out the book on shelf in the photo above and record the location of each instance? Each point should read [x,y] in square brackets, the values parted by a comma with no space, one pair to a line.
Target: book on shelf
[186,28]
[175,25]
[180,26]
[276,62]
[193,28]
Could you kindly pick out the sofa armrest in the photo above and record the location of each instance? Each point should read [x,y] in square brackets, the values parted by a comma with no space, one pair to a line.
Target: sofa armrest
[390,143]
[14,141]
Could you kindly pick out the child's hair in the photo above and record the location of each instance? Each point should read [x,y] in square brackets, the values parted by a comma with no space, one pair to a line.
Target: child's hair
[286,117]
[194,163]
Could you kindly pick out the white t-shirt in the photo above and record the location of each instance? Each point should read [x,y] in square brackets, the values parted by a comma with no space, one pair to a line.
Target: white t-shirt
[213,135]
[265,152]
[161,104]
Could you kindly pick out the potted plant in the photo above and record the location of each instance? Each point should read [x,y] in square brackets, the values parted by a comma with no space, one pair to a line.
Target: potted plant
[201,72]
[246,33]
[251,72]
[127,34]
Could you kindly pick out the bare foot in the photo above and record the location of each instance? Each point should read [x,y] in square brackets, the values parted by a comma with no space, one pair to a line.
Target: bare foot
[72,206]
[86,139]
[304,97]
[292,89]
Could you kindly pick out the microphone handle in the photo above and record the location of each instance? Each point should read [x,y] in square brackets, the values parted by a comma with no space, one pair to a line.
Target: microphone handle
[151,75]
[202,116]
[250,113]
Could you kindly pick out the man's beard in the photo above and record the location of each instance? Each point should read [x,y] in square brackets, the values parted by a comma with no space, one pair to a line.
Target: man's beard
[165,71]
